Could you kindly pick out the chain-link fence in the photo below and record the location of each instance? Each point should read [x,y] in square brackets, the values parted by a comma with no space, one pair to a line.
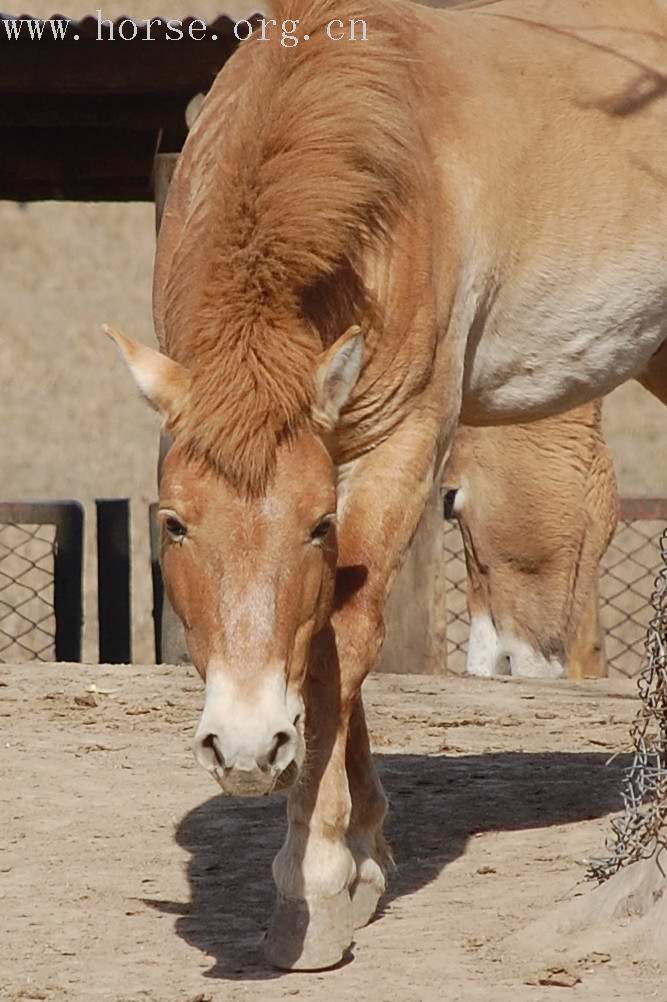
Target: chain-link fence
[641,831]
[627,578]
[27,617]
[40,582]
[458,620]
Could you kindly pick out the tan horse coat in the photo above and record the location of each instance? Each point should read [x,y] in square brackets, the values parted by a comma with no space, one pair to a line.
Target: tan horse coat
[482,191]
[537,505]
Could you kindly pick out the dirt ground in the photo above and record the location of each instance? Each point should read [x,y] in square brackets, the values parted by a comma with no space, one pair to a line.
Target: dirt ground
[125,877]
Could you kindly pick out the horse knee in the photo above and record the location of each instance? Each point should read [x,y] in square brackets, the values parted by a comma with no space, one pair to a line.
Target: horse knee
[360,645]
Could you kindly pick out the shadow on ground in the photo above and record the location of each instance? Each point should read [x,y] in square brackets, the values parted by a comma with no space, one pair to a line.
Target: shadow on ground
[437,804]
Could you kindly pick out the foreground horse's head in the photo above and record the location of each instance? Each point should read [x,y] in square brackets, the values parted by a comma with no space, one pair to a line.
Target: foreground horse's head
[250,574]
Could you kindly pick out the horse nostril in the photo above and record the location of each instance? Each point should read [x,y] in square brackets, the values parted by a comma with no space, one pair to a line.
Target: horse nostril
[281,738]
[211,743]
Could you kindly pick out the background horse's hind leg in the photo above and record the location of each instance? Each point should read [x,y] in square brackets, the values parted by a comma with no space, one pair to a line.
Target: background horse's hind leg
[654,376]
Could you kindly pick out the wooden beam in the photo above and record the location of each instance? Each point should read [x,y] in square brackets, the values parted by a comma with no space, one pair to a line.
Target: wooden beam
[170,643]
[639,509]
[82,120]
[53,155]
[164,166]
[103,68]
[136,112]
[115,189]
[71,163]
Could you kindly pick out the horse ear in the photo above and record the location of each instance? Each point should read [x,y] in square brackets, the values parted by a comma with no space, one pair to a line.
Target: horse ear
[163,382]
[336,376]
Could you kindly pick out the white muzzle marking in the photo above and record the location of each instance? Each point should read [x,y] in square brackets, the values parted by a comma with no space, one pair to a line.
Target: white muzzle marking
[252,742]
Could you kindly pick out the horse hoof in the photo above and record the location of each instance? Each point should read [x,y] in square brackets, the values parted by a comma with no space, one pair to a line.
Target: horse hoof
[366,892]
[309,934]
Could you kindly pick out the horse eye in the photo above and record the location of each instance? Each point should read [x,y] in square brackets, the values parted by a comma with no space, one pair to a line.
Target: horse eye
[321,529]
[175,527]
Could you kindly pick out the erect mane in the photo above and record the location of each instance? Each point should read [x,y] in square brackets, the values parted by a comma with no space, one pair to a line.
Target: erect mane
[316,163]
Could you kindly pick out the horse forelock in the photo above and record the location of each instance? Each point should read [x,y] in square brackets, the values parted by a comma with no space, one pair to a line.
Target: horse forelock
[244,401]
[315,165]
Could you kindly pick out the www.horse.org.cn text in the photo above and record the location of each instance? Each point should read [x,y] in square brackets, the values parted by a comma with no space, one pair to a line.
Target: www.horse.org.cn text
[174,30]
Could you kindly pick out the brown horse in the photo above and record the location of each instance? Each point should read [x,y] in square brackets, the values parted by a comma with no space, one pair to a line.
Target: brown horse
[464,214]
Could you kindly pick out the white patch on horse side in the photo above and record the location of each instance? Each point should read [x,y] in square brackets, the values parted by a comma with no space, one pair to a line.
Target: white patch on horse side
[566,345]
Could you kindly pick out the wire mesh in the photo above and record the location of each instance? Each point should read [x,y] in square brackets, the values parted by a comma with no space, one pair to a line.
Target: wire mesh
[641,831]
[27,617]
[458,620]
[627,580]
[627,576]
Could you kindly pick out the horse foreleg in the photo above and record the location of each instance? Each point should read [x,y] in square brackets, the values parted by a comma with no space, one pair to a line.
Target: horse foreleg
[369,807]
[312,924]
[327,874]
[330,871]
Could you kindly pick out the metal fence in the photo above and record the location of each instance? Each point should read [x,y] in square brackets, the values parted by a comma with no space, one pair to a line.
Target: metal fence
[641,831]
[41,553]
[627,577]
[27,618]
[458,620]
[627,580]
[41,557]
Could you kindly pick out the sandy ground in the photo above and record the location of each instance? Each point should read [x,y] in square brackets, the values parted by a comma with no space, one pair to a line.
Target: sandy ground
[125,877]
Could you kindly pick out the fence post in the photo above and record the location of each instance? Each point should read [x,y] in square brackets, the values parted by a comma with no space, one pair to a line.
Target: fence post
[170,646]
[416,611]
[67,580]
[113,581]
[156,578]
[164,166]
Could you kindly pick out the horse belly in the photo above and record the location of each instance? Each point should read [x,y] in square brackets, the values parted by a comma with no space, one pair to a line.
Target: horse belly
[541,353]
